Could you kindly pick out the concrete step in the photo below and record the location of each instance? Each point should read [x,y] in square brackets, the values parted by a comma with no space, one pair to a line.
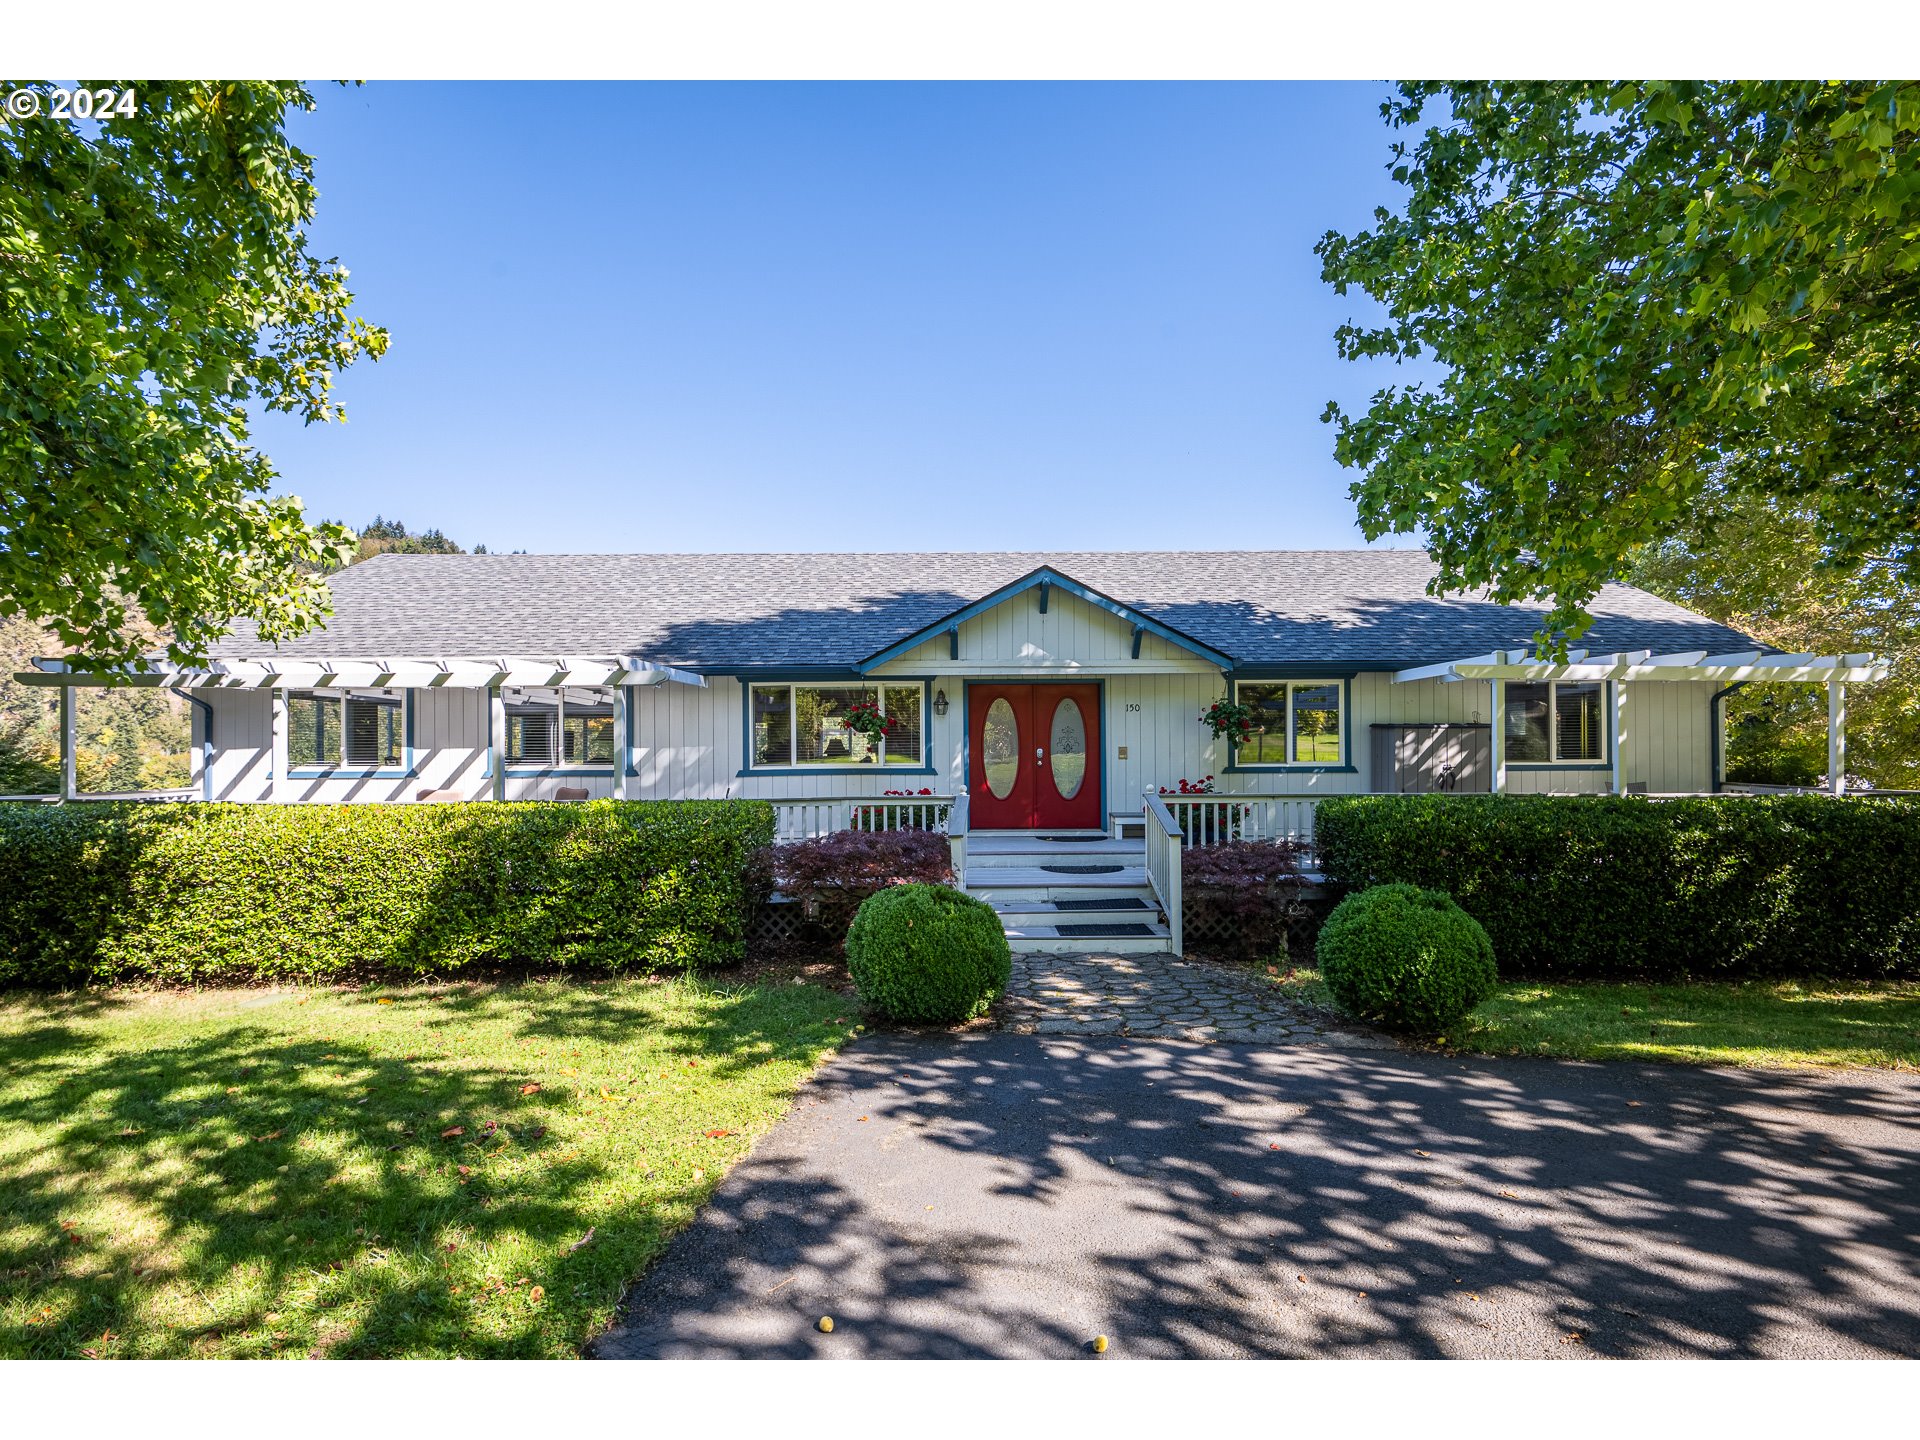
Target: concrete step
[1047,938]
[1127,878]
[1104,910]
[1029,850]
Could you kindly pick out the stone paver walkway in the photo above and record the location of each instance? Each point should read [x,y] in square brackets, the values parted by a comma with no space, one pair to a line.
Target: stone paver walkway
[1157,996]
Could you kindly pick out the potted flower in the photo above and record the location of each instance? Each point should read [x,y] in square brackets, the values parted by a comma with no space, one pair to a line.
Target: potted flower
[1227,717]
[863,717]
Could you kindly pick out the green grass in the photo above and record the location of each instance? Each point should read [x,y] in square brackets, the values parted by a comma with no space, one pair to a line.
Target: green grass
[262,1173]
[1751,1023]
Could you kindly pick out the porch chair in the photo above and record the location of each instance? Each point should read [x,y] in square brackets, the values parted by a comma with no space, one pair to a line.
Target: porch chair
[571,792]
[430,797]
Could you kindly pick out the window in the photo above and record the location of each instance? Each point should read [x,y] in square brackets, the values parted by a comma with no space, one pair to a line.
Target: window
[1295,722]
[807,725]
[1555,722]
[358,730]
[561,731]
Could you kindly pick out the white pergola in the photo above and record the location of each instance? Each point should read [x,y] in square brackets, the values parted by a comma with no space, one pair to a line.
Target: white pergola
[278,674]
[1500,667]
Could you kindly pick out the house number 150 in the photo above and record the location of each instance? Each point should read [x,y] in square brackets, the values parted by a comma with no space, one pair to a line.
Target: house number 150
[1133,709]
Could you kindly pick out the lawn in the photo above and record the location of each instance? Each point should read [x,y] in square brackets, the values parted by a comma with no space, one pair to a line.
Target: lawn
[450,1170]
[1755,1023]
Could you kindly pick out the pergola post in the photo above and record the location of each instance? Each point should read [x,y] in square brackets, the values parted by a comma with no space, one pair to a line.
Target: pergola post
[1837,737]
[620,757]
[497,739]
[277,788]
[1617,735]
[69,749]
[1498,758]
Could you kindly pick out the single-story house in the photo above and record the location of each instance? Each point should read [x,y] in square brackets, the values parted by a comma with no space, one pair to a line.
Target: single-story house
[1054,692]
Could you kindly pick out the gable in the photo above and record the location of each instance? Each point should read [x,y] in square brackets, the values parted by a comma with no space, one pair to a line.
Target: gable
[1012,633]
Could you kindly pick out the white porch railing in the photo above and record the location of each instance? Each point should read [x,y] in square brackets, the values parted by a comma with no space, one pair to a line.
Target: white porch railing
[810,819]
[1215,819]
[1165,853]
[184,792]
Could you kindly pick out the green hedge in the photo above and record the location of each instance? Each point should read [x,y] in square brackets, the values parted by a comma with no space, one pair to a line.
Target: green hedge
[1626,888]
[185,893]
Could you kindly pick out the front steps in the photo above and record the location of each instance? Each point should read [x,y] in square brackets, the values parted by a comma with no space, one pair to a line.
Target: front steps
[1045,885]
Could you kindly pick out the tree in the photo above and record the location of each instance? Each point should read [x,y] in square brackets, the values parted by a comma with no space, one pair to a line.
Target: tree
[157,285]
[1640,293]
[390,537]
[1763,572]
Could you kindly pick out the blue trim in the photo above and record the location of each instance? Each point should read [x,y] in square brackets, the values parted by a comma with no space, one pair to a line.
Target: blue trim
[343,772]
[1138,631]
[841,770]
[1550,766]
[966,729]
[534,771]
[953,642]
[1234,767]
[1045,575]
[1046,589]
[749,769]
[1305,672]
[771,673]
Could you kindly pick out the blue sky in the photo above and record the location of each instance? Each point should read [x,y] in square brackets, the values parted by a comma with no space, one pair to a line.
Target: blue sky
[816,317]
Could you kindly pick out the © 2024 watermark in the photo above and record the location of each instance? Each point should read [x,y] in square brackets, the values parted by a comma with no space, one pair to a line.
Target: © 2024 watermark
[56,102]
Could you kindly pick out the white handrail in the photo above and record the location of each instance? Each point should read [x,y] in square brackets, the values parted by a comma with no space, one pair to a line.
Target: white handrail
[808,819]
[1215,819]
[957,840]
[1165,855]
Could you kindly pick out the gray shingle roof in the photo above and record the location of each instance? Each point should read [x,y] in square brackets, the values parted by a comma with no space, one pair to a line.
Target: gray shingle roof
[1364,608]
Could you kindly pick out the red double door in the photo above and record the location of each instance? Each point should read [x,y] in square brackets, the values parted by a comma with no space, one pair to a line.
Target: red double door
[1034,757]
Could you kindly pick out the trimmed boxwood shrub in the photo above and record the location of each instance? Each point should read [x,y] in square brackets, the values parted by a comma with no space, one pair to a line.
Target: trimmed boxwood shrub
[927,954]
[189,893]
[1620,887]
[1408,958]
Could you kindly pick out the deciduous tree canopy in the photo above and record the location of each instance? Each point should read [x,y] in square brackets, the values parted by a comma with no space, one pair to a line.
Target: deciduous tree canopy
[1640,293]
[157,283]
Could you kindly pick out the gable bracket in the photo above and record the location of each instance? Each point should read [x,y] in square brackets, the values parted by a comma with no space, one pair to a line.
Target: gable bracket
[953,642]
[1046,593]
[1138,631]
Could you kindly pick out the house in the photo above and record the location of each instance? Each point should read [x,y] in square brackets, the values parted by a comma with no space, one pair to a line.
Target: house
[1045,693]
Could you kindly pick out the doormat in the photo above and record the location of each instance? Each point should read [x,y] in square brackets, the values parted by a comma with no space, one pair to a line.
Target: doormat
[1083,869]
[1127,904]
[1102,932]
[1073,839]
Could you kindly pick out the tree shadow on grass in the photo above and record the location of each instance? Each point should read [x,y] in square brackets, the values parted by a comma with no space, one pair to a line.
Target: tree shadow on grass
[1007,1195]
[251,1192]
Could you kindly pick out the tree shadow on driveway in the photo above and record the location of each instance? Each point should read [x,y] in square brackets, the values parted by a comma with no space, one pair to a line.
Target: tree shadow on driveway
[998,1194]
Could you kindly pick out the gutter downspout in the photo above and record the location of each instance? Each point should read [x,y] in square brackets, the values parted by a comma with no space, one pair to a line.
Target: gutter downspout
[206,740]
[1715,725]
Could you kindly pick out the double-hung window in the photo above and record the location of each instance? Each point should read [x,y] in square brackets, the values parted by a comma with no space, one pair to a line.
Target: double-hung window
[1555,722]
[804,726]
[565,731]
[350,730]
[1295,722]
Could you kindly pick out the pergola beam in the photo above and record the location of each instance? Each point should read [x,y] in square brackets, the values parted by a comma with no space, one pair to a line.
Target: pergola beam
[1749,667]
[376,673]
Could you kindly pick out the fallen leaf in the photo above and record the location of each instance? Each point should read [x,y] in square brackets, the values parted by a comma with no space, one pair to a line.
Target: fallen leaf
[383,1000]
[1274,1146]
[862,1120]
[271,1135]
[718,1134]
[699,1174]
[537,1294]
[464,1170]
[1509,1194]
[1423,1154]
[1632,1103]
[536,1132]
[584,1241]
[453,1130]
[529,1089]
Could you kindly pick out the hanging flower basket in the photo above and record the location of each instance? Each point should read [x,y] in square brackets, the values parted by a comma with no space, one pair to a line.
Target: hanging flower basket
[1237,722]
[863,717]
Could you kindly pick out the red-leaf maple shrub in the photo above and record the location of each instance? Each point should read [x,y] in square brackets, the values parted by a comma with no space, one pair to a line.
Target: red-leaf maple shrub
[831,874]
[1241,896]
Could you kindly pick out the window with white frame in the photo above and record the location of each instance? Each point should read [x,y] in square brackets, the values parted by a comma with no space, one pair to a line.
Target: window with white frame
[1554,722]
[792,725]
[360,730]
[560,728]
[1295,722]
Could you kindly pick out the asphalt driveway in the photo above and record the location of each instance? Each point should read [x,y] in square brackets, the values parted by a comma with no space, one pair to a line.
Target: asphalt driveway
[1014,1195]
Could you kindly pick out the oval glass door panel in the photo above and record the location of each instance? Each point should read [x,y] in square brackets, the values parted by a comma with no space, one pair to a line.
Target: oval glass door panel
[1069,749]
[1000,748]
